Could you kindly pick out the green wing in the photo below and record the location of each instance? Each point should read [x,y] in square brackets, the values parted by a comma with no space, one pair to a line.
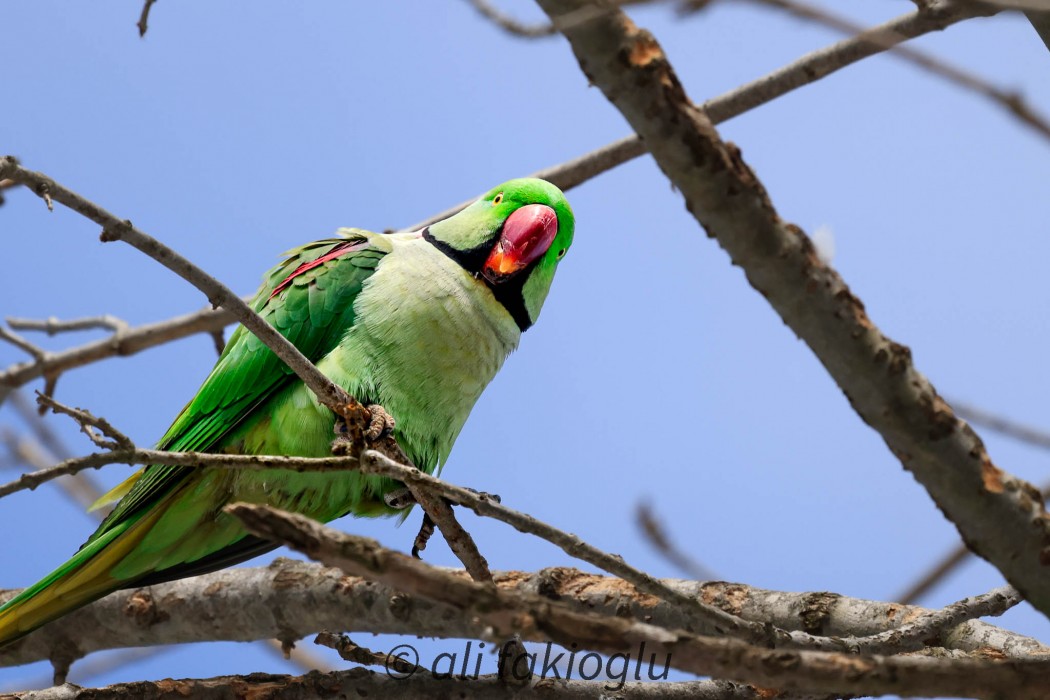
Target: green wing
[309,299]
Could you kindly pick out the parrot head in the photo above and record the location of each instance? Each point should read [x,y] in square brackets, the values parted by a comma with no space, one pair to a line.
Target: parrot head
[511,240]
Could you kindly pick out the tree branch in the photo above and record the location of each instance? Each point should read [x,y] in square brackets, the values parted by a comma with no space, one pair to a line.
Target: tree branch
[996,423]
[499,612]
[123,343]
[31,480]
[53,326]
[807,69]
[114,229]
[508,23]
[943,567]
[700,616]
[1013,102]
[360,682]
[293,599]
[1001,516]
[143,23]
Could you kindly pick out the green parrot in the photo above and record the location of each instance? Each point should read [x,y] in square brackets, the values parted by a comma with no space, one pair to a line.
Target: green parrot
[417,323]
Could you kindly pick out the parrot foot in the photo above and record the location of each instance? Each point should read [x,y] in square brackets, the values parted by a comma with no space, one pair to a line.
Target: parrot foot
[426,529]
[381,423]
[399,499]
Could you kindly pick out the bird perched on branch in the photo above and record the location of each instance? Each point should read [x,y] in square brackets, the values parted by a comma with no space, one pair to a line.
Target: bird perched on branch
[415,323]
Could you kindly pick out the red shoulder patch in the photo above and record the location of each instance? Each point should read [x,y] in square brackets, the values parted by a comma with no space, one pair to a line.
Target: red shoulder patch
[340,249]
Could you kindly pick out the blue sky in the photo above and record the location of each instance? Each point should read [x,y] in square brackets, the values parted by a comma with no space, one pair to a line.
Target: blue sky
[236,132]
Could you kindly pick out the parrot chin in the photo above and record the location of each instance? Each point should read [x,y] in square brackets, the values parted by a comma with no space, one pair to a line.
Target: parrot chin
[527,234]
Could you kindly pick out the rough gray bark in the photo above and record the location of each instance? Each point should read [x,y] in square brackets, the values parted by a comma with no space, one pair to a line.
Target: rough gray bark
[290,600]
[363,683]
[1000,516]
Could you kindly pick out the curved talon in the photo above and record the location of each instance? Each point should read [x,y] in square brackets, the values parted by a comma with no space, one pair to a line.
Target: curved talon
[426,529]
[380,422]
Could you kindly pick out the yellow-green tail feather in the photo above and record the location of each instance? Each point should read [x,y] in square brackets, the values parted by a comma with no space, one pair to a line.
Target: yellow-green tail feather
[81,580]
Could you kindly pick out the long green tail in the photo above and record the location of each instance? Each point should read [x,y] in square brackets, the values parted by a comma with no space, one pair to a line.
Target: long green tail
[81,580]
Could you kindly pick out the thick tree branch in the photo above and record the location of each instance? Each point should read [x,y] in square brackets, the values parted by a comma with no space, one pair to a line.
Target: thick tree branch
[360,682]
[1000,516]
[494,611]
[291,600]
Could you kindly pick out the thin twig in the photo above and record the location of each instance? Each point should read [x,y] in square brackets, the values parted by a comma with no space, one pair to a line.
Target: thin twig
[349,651]
[937,573]
[1013,102]
[301,658]
[115,229]
[219,340]
[999,424]
[40,428]
[89,669]
[466,550]
[126,343]
[79,487]
[509,24]
[143,23]
[916,635]
[21,343]
[86,420]
[23,451]
[654,533]
[459,540]
[53,326]
[181,459]
[944,567]
[799,73]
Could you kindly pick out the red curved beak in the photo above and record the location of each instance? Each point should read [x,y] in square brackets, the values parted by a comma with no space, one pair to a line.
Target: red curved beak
[526,236]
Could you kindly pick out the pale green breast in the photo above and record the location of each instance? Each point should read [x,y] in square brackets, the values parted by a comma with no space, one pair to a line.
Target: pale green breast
[427,340]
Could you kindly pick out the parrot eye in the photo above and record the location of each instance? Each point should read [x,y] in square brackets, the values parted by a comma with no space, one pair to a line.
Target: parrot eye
[497,199]
[561,253]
